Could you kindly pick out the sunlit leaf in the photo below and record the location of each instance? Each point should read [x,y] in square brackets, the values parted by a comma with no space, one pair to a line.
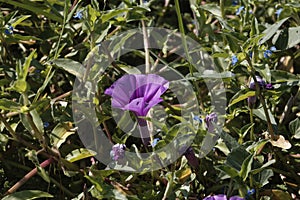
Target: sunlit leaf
[79,154]
[271,30]
[28,195]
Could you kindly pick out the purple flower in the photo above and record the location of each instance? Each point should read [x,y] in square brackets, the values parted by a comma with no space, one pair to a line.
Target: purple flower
[260,82]
[234,60]
[239,10]
[278,12]
[210,120]
[191,157]
[78,15]
[252,99]
[137,92]
[216,197]
[117,152]
[269,86]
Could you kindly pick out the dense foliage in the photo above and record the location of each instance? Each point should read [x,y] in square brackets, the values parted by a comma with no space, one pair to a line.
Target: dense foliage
[254,44]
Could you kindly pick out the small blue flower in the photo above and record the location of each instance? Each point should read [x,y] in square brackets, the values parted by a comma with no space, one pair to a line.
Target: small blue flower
[78,15]
[197,118]
[250,54]
[239,10]
[273,48]
[250,193]
[235,2]
[234,60]
[46,124]
[278,12]
[267,53]
[155,141]
[9,30]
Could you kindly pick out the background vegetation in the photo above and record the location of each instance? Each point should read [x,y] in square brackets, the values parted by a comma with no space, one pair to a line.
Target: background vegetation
[44,42]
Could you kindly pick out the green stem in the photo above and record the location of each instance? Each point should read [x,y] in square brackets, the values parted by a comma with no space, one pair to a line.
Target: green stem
[252,128]
[258,93]
[222,7]
[9,128]
[183,38]
[62,31]
[146,47]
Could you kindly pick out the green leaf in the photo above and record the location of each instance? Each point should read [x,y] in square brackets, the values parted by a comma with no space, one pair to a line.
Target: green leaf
[228,170]
[6,104]
[213,9]
[28,195]
[79,154]
[27,65]
[240,96]
[70,66]
[237,157]
[271,30]
[113,13]
[264,177]
[287,38]
[267,164]
[60,134]
[295,128]
[211,74]
[261,114]
[36,120]
[20,86]
[279,76]
[38,9]
[246,167]
[19,19]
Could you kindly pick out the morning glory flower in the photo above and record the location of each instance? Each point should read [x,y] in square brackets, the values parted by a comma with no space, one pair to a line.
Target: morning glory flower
[239,10]
[278,12]
[9,30]
[234,60]
[137,92]
[117,152]
[78,15]
[210,120]
[222,197]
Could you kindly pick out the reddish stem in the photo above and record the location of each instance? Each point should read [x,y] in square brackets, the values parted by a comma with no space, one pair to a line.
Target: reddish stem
[28,176]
